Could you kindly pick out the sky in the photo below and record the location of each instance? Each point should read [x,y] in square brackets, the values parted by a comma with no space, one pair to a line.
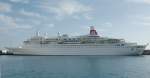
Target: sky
[127,19]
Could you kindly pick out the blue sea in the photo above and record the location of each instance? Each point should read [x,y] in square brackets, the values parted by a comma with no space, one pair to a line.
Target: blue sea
[74,66]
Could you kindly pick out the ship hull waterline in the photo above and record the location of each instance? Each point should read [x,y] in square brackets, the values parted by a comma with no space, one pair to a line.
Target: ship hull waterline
[77,51]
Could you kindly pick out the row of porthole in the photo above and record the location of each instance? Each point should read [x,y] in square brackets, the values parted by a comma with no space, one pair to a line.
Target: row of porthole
[84,47]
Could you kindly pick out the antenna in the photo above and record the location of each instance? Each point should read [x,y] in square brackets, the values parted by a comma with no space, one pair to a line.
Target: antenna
[58,35]
[37,34]
[46,35]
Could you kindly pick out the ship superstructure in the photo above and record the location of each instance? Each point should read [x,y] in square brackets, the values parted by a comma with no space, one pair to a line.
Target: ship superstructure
[91,44]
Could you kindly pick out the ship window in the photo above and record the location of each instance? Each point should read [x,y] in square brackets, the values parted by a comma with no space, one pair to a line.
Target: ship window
[132,49]
[122,44]
[139,46]
[65,39]
[74,39]
[118,45]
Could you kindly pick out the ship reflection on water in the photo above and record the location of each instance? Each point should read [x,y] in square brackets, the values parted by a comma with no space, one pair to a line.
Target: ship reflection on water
[75,66]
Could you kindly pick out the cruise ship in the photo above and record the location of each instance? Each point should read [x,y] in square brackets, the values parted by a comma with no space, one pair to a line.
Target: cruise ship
[90,44]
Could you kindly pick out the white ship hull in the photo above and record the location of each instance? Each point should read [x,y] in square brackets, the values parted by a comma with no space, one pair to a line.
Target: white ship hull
[78,50]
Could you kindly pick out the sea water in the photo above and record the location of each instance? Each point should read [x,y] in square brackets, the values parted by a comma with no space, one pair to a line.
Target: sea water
[75,66]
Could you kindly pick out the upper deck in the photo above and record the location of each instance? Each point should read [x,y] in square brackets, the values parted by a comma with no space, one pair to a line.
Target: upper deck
[91,38]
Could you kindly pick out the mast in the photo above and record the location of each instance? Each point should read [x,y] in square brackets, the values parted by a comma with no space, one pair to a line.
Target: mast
[37,34]
[58,35]
[46,35]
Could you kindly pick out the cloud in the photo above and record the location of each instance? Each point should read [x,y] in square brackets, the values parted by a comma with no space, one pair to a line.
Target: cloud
[142,20]
[139,1]
[5,7]
[14,23]
[71,7]
[144,23]
[107,24]
[7,20]
[75,34]
[146,1]
[68,8]
[30,14]
[20,1]
[88,17]
[51,25]
[141,23]
[25,26]
[10,23]
[145,18]
[34,22]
